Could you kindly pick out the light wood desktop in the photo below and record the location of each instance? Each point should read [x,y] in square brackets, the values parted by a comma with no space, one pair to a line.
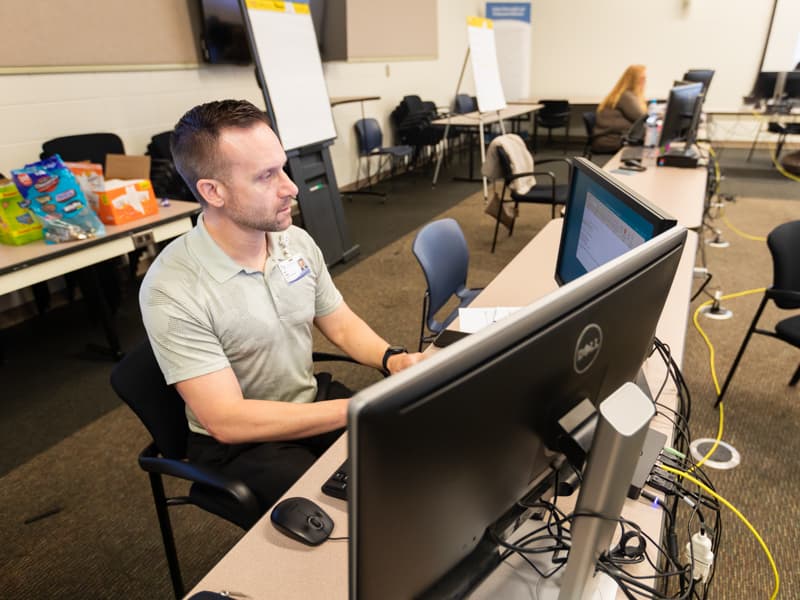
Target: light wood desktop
[671,189]
[265,563]
[21,266]
[479,120]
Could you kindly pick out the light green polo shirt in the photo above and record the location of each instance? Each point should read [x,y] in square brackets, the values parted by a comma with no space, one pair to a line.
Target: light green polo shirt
[204,312]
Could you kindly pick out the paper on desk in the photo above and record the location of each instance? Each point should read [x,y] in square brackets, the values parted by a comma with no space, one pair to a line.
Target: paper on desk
[471,320]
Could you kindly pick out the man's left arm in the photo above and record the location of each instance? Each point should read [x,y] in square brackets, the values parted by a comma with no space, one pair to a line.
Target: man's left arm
[352,335]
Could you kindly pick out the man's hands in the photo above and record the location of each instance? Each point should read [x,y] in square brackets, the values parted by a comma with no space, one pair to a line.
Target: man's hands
[398,362]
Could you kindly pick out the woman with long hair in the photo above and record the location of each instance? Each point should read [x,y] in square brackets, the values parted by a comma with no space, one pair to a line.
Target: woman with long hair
[620,109]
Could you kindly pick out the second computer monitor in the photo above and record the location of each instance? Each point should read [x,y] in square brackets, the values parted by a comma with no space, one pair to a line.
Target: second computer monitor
[703,76]
[682,115]
[603,220]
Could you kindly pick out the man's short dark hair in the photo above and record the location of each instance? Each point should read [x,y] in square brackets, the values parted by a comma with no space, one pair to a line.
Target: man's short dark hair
[194,140]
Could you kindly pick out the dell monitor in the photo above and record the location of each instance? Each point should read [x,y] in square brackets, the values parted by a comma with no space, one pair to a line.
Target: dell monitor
[703,76]
[682,115]
[603,220]
[441,454]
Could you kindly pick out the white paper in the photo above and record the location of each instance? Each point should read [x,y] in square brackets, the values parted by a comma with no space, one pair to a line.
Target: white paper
[471,320]
[485,71]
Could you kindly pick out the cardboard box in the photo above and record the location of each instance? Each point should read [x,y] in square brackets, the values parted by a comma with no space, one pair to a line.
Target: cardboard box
[18,225]
[90,178]
[128,192]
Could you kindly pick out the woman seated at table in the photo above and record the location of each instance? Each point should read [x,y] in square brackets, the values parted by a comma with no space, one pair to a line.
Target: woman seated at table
[618,111]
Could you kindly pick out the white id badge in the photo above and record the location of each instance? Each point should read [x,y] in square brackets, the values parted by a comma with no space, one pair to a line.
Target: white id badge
[293,268]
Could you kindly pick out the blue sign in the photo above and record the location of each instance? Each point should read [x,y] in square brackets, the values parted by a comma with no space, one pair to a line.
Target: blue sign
[518,11]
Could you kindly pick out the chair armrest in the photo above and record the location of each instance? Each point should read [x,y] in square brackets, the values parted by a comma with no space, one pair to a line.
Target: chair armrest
[544,161]
[152,462]
[329,356]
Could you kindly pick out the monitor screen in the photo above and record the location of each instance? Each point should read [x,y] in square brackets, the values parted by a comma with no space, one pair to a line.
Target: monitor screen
[444,451]
[682,114]
[791,87]
[603,220]
[703,76]
[764,86]
[224,38]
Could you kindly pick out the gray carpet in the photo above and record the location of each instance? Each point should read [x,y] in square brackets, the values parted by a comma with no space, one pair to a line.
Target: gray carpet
[103,542]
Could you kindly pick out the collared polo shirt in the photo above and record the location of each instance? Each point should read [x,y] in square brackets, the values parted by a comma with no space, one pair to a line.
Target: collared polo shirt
[204,312]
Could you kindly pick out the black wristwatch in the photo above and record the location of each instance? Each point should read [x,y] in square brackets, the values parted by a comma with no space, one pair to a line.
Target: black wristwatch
[391,351]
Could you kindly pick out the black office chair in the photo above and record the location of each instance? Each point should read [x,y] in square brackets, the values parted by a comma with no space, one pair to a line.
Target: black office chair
[167,182]
[589,122]
[138,381]
[88,146]
[784,245]
[441,250]
[370,143]
[553,193]
[553,115]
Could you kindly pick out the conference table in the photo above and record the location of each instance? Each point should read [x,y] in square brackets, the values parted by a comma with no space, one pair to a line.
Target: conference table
[478,120]
[22,266]
[267,564]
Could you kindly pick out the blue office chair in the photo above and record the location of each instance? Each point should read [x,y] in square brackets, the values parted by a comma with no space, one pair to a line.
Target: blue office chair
[784,245]
[441,250]
[370,143]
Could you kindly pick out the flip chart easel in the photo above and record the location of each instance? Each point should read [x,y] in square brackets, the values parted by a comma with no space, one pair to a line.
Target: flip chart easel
[488,88]
[289,73]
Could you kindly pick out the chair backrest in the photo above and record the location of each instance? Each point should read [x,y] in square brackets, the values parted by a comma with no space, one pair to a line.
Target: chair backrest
[88,146]
[554,107]
[369,135]
[159,145]
[589,121]
[413,103]
[465,104]
[441,250]
[784,245]
[138,381]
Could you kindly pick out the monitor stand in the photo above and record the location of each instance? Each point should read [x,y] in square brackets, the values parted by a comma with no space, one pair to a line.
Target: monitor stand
[621,430]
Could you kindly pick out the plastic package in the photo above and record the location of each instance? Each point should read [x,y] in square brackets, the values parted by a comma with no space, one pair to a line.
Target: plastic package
[53,194]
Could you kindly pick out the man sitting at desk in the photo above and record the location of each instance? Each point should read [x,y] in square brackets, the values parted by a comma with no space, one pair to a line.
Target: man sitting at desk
[229,306]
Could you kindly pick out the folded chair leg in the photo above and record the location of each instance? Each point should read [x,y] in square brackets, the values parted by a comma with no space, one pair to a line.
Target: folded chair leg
[160,500]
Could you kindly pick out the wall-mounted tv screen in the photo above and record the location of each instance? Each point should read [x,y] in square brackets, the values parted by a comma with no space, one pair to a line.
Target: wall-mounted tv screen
[224,38]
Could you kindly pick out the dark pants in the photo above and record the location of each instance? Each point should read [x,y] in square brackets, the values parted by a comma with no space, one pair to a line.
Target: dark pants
[268,468]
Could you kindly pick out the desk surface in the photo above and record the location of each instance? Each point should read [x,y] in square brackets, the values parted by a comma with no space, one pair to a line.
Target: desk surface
[266,563]
[680,192]
[25,265]
[475,118]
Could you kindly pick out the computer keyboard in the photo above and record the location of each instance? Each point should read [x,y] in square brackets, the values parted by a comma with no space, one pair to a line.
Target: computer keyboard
[336,485]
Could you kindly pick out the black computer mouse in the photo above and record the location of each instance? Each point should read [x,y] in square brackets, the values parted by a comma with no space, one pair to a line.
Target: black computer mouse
[303,520]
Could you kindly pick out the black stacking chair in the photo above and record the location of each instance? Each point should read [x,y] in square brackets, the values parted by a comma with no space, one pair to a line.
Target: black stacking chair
[167,182]
[88,146]
[784,245]
[553,115]
[589,122]
[441,250]
[552,193]
[138,381]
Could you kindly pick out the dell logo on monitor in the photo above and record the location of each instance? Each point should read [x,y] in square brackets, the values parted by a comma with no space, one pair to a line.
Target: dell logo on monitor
[588,347]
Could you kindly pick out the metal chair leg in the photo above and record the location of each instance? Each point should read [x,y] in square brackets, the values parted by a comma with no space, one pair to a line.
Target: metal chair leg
[741,351]
[795,377]
[160,500]
[425,301]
